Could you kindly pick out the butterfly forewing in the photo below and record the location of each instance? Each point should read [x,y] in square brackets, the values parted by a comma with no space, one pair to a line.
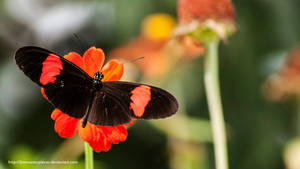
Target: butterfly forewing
[66,86]
[30,59]
[71,95]
[118,102]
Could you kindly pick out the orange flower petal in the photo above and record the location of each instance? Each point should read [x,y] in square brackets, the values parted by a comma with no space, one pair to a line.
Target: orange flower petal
[95,137]
[113,71]
[101,138]
[93,59]
[115,134]
[65,125]
[76,59]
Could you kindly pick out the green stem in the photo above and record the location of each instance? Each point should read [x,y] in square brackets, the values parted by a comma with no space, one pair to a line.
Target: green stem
[211,80]
[297,119]
[89,160]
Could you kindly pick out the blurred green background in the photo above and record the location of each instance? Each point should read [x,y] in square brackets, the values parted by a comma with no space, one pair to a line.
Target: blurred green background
[258,130]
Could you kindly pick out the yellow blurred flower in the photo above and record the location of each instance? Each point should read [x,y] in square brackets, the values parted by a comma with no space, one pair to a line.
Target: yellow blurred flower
[158,26]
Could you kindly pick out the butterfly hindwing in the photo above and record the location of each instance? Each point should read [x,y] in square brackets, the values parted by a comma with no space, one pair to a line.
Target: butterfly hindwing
[66,86]
[118,102]
[109,107]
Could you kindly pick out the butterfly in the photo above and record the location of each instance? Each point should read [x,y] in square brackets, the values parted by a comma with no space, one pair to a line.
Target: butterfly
[74,92]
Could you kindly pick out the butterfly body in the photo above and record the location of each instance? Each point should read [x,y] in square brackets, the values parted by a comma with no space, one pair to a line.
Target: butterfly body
[97,83]
[105,103]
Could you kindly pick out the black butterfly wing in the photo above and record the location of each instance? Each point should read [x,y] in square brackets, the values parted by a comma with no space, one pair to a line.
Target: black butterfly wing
[66,85]
[118,102]
[70,94]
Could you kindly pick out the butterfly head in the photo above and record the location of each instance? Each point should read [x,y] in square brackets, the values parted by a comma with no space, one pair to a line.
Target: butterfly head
[97,83]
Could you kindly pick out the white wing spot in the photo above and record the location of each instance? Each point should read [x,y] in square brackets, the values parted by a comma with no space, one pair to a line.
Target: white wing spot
[62,84]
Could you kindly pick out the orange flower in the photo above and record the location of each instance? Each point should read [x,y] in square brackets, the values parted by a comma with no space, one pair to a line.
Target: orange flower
[100,138]
[157,46]
[150,49]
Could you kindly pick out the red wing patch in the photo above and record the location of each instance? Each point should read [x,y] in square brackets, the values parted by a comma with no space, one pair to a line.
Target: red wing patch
[139,99]
[51,68]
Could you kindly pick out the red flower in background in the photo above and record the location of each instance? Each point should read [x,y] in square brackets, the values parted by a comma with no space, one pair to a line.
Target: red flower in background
[201,10]
[197,16]
[100,138]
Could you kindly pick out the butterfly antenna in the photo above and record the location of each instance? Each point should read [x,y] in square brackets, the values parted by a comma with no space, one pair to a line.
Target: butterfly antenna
[133,60]
[82,46]
[136,59]
[79,42]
